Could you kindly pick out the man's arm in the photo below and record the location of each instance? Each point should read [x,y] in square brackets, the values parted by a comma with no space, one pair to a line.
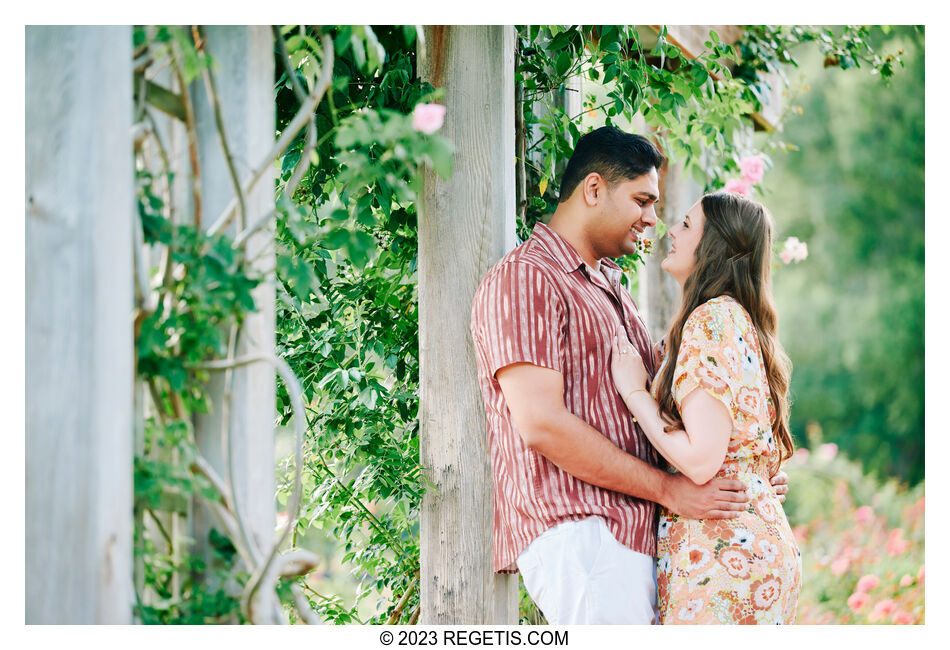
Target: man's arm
[535,398]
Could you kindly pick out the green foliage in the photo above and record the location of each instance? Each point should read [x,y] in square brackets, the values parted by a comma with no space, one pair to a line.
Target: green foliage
[853,313]
[184,589]
[197,602]
[348,315]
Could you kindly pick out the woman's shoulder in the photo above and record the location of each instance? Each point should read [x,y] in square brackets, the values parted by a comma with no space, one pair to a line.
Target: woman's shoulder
[716,316]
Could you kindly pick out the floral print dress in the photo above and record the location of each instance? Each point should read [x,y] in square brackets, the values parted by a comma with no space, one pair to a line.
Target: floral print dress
[748,569]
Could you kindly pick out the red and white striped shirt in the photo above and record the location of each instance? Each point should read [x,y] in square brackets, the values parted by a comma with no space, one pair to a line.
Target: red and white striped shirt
[542,304]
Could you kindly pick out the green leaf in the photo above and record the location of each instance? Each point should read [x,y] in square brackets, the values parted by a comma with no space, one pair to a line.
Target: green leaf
[698,75]
[336,238]
[441,154]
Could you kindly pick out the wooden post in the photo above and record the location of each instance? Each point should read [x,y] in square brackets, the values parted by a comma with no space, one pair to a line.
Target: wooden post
[465,225]
[677,193]
[244,82]
[79,349]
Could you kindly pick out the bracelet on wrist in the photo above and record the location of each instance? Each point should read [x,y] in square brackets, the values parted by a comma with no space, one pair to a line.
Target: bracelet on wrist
[636,390]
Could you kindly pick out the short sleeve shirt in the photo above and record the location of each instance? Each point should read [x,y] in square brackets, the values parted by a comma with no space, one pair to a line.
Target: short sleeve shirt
[542,304]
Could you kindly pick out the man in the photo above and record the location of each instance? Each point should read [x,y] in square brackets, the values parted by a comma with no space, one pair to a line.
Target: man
[575,482]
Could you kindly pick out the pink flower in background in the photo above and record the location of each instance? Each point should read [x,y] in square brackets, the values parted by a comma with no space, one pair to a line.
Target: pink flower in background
[907,580]
[867,582]
[752,168]
[882,610]
[896,544]
[863,514]
[828,451]
[903,618]
[920,574]
[428,117]
[795,250]
[739,185]
[800,532]
[840,565]
[800,455]
[857,600]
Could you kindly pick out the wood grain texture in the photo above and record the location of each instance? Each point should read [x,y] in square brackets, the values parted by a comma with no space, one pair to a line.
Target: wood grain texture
[79,349]
[465,225]
[245,84]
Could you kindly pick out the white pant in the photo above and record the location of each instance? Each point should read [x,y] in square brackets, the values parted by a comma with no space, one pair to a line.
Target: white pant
[578,573]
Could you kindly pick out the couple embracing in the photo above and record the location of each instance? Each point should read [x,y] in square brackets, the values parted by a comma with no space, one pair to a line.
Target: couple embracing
[635,483]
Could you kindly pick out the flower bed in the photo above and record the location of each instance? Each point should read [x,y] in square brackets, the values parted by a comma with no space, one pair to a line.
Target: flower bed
[862,542]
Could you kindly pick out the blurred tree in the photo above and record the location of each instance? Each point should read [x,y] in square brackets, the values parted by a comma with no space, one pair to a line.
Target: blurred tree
[852,314]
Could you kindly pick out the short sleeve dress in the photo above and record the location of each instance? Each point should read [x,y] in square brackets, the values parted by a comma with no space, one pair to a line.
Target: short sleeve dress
[745,570]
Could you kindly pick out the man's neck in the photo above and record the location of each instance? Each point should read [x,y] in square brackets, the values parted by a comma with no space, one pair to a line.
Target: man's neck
[567,226]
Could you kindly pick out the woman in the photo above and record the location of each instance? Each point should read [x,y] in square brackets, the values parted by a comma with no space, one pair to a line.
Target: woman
[719,407]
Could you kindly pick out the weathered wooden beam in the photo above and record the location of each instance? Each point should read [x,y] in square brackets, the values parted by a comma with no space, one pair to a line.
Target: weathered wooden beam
[465,225]
[80,204]
[244,84]
[163,99]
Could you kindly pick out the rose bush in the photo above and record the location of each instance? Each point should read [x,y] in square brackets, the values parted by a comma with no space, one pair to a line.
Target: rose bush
[862,541]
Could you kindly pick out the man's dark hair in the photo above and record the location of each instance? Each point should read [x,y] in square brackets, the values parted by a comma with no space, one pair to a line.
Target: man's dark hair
[614,154]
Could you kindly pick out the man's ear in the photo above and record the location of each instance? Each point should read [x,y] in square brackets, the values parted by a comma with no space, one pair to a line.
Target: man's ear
[593,186]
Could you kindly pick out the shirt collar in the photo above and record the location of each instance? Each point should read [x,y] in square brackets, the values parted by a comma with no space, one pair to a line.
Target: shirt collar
[567,256]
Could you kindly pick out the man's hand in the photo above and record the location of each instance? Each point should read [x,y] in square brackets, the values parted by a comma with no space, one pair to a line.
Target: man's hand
[719,498]
[780,483]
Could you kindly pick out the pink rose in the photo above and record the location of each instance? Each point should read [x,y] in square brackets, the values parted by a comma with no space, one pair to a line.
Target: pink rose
[795,250]
[907,580]
[428,117]
[739,185]
[839,566]
[863,514]
[857,600]
[882,610]
[867,583]
[828,451]
[752,168]
[903,618]
[896,544]
[801,251]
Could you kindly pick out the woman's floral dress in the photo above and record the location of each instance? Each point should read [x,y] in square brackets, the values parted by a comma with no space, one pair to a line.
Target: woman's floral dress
[747,569]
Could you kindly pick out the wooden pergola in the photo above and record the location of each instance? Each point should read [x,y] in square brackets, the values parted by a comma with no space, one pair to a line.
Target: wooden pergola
[82,402]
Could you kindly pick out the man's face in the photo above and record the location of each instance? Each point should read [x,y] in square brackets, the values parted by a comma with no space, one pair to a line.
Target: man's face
[626,210]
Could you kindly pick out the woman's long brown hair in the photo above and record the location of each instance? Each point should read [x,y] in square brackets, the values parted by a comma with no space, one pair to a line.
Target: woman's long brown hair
[734,258]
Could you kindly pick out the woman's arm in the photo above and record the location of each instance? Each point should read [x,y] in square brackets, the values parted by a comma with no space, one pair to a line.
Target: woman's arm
[699,451]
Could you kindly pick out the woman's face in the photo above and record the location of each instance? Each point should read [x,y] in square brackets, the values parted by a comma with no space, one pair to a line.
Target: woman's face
[685,237]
